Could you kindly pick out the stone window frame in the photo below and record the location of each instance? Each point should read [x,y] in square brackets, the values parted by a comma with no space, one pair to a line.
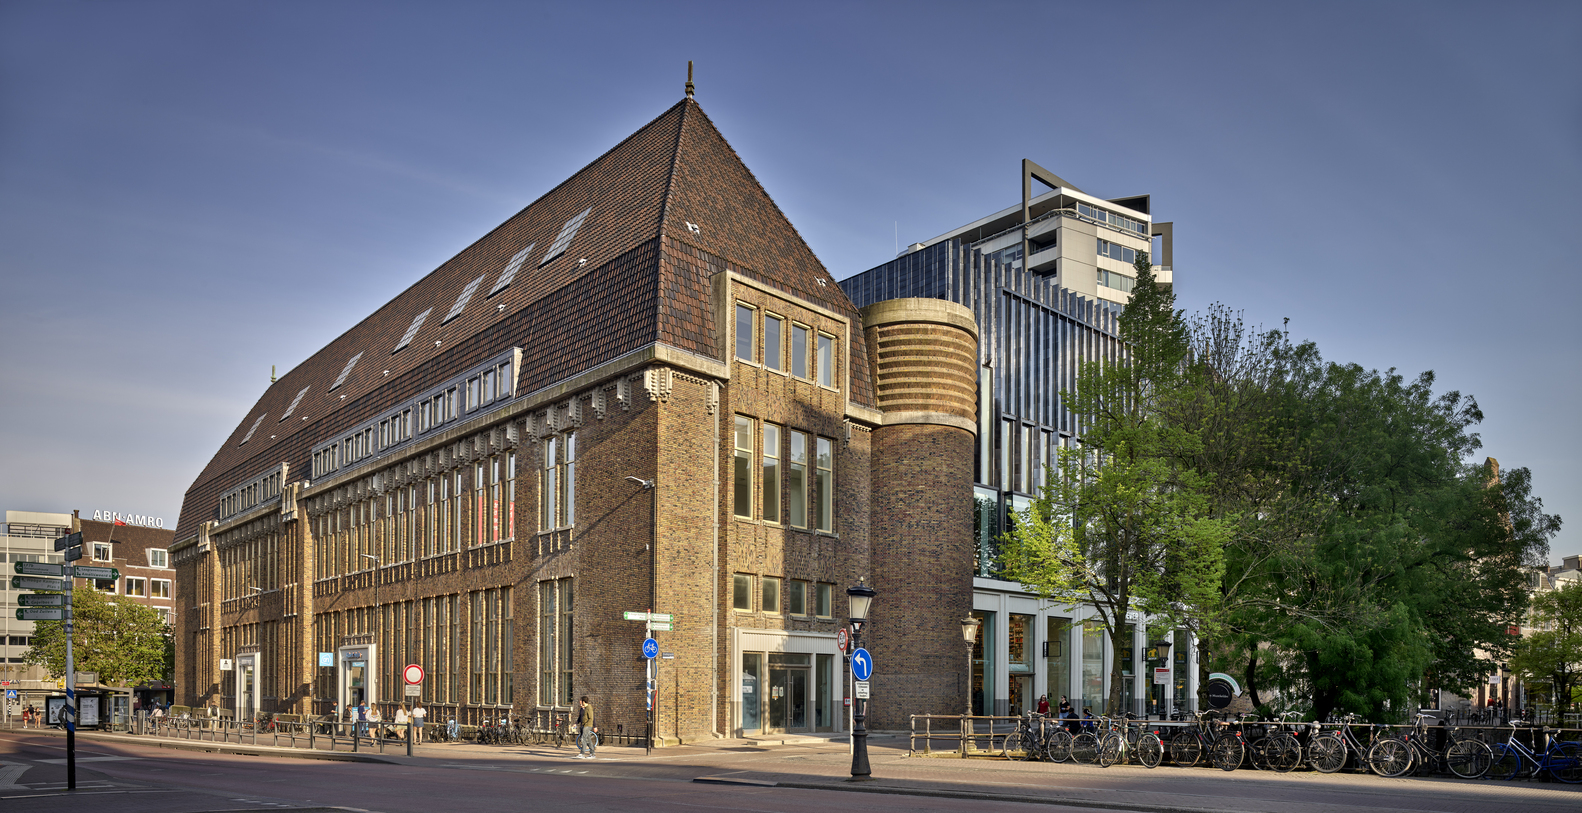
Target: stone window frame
[764,583]
[558,463]
[154,583]
[779,343]
[136,586]
[738,580]
[833,365]
[751,339]
[105,548]
[744,467]
[823,592]
[157,553]
[771,458]
[808,349]
[796,587]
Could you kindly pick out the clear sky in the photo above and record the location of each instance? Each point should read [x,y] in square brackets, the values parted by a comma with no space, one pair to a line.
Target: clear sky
[191,192]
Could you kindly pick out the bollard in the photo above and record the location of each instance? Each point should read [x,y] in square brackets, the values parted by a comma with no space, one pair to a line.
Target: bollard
[409,739]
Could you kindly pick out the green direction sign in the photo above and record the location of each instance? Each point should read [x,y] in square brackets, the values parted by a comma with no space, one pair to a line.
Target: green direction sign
[69,541]
[35,583]
[41,600]
[41,614]
[73,554]
[633,615]
[86,572]
[39,569]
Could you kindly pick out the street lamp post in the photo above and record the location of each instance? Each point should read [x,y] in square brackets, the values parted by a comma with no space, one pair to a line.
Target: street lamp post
[861,598]
[1166,695]
[377,563]
[969,634]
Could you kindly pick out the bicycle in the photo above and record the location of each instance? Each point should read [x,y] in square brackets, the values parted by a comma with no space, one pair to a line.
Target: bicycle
[1327,753]
[1029,739]
[1208,736]
[1396,756]
[1562,758]
[1277,750]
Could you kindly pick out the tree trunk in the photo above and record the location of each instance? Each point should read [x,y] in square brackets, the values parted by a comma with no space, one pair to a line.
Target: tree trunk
[1252,676]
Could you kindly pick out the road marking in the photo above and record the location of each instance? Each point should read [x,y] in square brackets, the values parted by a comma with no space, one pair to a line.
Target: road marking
[89,759]
[9,774]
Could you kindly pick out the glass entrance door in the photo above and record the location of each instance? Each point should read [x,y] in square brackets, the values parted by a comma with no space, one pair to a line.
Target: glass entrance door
[789,701]
[246,687]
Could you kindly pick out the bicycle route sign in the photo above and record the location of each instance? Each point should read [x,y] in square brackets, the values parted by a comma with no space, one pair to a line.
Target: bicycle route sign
[861,664]
[650,648]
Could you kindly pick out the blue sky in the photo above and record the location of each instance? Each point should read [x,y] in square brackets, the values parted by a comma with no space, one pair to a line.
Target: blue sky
[192,192]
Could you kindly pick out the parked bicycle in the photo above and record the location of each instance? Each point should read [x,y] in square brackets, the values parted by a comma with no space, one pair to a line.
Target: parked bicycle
[1277,749]
[1397,756]
[1210,738]
[1562,758]
[1328,752]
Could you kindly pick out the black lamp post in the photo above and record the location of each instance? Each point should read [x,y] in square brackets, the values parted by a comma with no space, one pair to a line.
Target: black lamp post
[1162,652]
[969,633]
[861,598]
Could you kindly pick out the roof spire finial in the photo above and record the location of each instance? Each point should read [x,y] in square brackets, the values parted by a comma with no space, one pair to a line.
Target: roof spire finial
[690,88]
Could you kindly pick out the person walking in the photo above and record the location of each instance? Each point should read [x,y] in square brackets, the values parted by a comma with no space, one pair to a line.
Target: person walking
[1043,704]
[587,730]
[362,719]
[419,714]
[375,721]
[1065,706]
[27,716]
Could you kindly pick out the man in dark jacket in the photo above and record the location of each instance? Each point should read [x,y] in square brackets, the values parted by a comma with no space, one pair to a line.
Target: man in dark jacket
[587,730]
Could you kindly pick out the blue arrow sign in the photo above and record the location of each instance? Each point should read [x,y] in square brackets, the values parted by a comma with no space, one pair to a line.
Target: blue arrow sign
[861,664]
[650,648]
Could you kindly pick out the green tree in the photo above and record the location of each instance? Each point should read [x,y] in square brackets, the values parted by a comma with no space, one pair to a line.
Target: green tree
[125,642]
[1552,654]
[1122,524]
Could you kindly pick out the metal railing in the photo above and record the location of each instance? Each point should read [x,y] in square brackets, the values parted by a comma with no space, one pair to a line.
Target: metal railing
[965,735]
[278,731]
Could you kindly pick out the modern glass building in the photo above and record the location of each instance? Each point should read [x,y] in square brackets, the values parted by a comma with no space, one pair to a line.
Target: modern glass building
[1039,320]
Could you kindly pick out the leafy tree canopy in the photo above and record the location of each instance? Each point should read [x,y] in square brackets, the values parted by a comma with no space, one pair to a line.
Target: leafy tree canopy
[122,640]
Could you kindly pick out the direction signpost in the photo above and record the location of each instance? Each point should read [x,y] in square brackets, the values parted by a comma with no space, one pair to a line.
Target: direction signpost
[652,621]
[41,614]
[72,545]
[41,600]
[38,569]
[89,572]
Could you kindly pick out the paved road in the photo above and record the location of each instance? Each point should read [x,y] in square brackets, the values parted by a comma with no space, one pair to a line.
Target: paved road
[131,776]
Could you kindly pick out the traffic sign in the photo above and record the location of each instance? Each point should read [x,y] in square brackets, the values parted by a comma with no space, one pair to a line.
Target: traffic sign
[862,690]
[89,572]
[69,541]
[36,583]
[73,554]
[633,615]
[650,647]
[1162,676]
[41,600]
[861,664]
[661,626]
[413,674]
[842,638]
[39,569]
[41,613]
[413,691]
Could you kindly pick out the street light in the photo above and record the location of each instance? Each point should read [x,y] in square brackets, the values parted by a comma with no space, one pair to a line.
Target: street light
[652,487]
[377,563]
[1162,652]
[969,633]
[861,598]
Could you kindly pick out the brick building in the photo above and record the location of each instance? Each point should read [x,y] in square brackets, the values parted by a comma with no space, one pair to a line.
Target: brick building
[641,391]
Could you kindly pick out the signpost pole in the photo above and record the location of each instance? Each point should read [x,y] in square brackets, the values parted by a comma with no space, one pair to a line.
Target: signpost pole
[648,684]
[70,709]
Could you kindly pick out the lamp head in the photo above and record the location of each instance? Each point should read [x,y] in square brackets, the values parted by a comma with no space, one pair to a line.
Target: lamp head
[861,598]
[969,629]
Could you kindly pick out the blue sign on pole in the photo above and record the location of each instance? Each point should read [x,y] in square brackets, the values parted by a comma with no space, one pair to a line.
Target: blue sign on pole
[861,664]
[10,694]
[650,648]
[326,658]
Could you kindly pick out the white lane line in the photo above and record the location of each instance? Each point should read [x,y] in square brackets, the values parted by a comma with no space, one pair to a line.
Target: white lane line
[88,759]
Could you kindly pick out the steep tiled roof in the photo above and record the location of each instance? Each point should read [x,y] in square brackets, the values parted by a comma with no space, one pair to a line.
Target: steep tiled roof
[676,169]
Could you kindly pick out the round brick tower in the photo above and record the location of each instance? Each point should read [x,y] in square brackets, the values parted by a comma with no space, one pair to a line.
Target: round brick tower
[924,355]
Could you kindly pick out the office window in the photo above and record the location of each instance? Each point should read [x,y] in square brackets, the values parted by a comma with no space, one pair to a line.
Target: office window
[744,332]
[104,585]
[554,642]
[742,592]
[825,484]
[796,481]
[796,597]
[136,587]
[799,348]
[101,551]
[821,601]
[161,588]
[771,599]
[826,360]
[772,329]
[158,557]
[771,472]
[744,467]
[566,689]
[558,487]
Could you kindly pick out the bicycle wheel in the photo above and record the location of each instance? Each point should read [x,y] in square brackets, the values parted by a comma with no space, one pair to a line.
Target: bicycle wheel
[1012,746]
[1283,753]
[1085,748]
[1258,754]
[1111,749]
[1468,759]
[1327,753]
[1150,750]
[1185,749]
[1504,762]
[1226,753]
[1059,748]
[1390,758]
[1565,762]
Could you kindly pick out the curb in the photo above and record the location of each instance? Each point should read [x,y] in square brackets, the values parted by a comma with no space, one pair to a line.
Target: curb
[238,749]
[867,786]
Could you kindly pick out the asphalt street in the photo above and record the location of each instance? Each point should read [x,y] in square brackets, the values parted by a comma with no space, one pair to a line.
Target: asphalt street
[131,775]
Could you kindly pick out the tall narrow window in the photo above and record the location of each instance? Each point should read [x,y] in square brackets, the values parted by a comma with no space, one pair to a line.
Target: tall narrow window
[442,543]
[796,481]
[477,647]
[547,488]
[744,467]
[744,332]
[548,618]
[566,606]
[568,481]
[772,327]
[506,662]
[771,469]
[510,495]
[771,597]
[799,350]
[496,509]
[826,484]
[742,592]
[826,360]
[480,504]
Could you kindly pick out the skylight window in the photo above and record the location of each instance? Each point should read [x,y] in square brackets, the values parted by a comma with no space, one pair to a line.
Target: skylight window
[567,232]
[250,432]
[341,379]
[294,402]
[509,272]
[411,331]
[461,301]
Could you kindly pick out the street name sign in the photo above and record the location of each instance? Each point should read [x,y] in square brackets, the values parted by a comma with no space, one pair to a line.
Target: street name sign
[35,583]
[41,600]
[631,615]
[69,541]
[661,626]
[41,613]
[88,572]
[39,569]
